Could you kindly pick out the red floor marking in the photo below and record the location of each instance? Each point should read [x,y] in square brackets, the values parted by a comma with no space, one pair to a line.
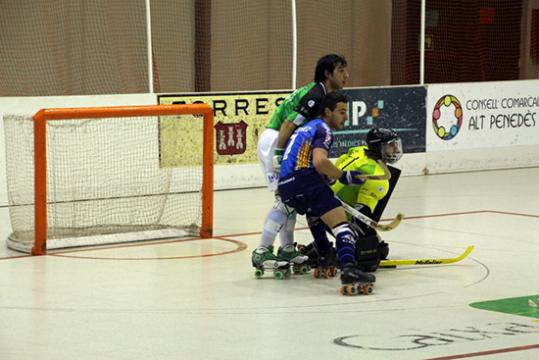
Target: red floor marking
[488,352]
[240,246]
[224,237]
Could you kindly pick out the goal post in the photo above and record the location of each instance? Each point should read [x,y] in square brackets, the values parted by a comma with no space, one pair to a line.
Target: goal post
[101,175]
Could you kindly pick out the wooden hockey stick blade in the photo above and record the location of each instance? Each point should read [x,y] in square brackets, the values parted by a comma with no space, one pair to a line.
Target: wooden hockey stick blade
[392,225]
[401,262]
[371,223]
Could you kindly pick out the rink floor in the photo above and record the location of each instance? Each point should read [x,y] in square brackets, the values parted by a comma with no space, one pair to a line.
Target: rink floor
[199,299]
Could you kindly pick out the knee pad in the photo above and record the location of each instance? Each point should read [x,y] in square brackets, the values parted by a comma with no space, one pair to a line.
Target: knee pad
[282,207]
[291,221]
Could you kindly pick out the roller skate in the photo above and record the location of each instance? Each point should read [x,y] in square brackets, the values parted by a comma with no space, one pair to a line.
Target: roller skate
[264,259]
[311,252]
[355,282]
[326,264]
[297,260]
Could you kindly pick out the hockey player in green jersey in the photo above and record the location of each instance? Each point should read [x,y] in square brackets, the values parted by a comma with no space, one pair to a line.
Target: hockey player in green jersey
[302,105]
[383,147]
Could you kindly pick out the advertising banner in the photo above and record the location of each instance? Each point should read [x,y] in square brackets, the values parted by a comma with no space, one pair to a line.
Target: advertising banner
[399,108]
[482,115]
[241,118]
[239,121]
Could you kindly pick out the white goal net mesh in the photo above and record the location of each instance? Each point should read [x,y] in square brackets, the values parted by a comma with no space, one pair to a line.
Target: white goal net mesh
[108,180]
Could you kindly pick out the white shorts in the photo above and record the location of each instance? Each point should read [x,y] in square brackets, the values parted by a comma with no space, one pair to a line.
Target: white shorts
[265,150]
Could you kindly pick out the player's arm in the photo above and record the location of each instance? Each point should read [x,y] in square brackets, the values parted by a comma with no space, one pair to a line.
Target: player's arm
[324,166]
[286,131]
[306,109]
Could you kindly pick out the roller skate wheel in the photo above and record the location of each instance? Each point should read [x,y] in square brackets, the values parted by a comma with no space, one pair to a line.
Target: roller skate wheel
[278,275]
[325,273]
[348,290]
[287,273]
[259,273]
[333,272]
[365,289]
[316,273]
[304,269]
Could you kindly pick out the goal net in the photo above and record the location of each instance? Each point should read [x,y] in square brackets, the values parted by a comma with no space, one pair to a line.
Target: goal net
[91,176]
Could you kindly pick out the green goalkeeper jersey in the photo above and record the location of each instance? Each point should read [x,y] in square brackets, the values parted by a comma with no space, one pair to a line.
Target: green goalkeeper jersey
[303,104]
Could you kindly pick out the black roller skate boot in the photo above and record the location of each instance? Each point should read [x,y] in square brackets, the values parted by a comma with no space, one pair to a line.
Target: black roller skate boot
[327,264]
[355,281]
[311,252]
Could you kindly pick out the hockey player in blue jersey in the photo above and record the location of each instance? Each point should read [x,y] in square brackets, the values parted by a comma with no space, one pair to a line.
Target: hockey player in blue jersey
[303,185]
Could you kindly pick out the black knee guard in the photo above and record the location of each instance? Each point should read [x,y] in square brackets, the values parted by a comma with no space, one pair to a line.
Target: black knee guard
[369,252]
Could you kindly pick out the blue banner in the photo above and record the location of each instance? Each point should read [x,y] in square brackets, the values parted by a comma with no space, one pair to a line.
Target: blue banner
[401,109]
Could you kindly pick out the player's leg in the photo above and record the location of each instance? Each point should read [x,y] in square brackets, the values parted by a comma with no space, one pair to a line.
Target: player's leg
[321,252]
[329,209]
[287,251]
[335,217]
[345,237]
[286,234]
[287,231]
[280,219]
[275,218]
[264,150]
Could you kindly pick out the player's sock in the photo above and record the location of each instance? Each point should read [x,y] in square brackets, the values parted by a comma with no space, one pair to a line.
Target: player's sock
[346,243]
[273,223]
[318,231]
[287,231]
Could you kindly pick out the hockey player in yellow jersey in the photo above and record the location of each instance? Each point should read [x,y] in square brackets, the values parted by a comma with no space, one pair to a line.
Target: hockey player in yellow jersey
[384,146]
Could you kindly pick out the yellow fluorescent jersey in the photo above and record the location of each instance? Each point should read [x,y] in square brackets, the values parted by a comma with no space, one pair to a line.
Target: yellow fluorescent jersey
[371,191]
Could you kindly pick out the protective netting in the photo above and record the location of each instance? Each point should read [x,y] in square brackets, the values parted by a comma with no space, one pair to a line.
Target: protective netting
[465,40]
[72,47]
[115,177]
[78,47]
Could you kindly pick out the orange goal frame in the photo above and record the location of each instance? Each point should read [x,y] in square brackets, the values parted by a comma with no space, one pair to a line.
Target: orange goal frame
[40,156]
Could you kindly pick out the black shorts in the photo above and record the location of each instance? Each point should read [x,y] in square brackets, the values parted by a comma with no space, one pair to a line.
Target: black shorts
[307,190]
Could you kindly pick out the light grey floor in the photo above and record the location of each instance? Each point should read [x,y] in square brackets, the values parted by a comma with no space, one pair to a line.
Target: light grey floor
[173,301]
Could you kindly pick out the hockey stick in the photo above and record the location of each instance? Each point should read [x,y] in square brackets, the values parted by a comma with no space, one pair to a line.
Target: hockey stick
[371,223]
[401,262]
